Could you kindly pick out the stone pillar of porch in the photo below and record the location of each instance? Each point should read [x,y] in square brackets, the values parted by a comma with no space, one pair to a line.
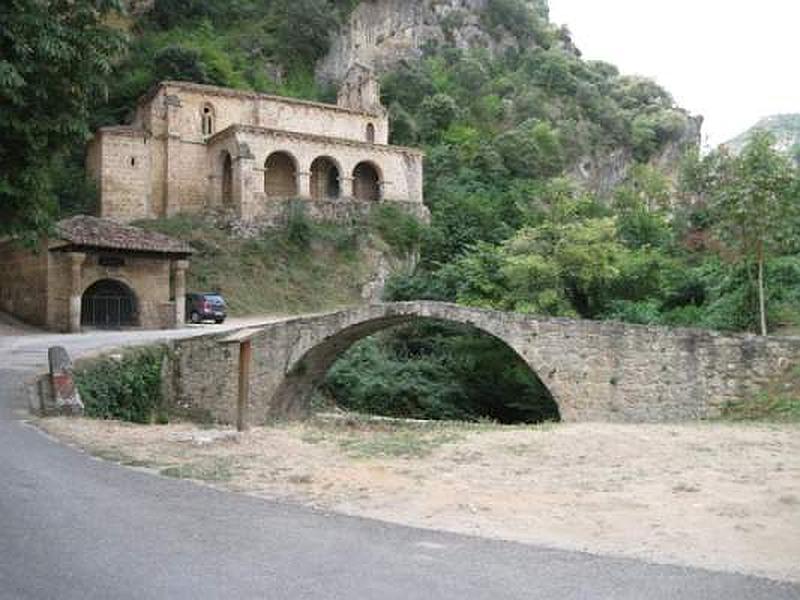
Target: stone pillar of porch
[76,268]
[304,185]
[179,268]
[346,189]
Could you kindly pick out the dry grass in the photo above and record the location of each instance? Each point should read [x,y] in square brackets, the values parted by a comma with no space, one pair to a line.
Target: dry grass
[716,495]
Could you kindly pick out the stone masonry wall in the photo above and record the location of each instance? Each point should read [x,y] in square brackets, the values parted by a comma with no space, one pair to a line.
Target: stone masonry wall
[165,163]
[149,278]
[23,282]
[120,161]
[230,107]
[596,371]
[400,172]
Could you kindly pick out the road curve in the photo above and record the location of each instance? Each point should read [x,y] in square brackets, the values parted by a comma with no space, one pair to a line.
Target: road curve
[74,527]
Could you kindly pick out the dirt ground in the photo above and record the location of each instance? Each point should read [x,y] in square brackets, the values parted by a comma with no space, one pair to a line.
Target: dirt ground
[719,496]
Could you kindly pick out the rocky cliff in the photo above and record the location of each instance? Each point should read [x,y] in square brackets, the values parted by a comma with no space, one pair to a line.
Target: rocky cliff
[382,33]
[603,171]
[385,33]
[785,129]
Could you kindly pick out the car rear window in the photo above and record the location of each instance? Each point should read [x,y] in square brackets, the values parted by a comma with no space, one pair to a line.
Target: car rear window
[214,298]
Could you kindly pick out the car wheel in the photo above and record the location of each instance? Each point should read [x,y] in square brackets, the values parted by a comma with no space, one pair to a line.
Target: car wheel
[219,321]
[194,317]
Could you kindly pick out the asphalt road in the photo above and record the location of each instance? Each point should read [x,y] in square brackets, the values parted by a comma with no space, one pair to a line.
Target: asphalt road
[76,527]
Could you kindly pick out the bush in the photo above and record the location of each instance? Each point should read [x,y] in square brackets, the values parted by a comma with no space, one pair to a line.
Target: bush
[128,389]
[400,230]
[433,370]
[298,227]
[182,64]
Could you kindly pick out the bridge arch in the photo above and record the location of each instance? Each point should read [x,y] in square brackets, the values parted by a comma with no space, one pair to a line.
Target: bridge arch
[594,370]
[308,365]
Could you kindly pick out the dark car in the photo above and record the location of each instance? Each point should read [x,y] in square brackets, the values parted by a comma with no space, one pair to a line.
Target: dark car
[205,307]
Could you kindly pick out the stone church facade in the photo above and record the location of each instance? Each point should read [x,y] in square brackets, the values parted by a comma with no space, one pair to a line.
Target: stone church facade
[193,148]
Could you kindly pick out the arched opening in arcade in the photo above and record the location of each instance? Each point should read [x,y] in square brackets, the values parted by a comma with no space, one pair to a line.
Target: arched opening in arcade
[109,304]
[324,179]
[366,182]
[280,176]
[424,369]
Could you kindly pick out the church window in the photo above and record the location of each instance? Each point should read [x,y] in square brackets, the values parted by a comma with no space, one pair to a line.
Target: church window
[208,119]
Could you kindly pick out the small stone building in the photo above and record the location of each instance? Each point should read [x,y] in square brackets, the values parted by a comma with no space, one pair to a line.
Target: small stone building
[95,273]
[193,148]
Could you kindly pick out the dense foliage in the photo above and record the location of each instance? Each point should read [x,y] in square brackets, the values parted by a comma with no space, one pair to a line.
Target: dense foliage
[55,57]
[438,371]
[128,388]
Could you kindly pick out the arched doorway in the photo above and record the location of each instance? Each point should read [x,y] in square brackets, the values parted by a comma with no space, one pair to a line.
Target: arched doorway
[227,179]
[280,176]
[324,179]
[366,182]
[109,304]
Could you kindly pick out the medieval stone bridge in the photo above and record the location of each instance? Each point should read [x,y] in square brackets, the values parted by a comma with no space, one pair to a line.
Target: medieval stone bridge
[595,370]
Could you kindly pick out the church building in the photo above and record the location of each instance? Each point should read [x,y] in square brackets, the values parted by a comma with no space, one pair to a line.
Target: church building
[193,148]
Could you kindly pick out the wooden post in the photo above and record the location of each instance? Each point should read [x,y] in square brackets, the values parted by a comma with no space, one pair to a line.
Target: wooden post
[245,351]
[244,338]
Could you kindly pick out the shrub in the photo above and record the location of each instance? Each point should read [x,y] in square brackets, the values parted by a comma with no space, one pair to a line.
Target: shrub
[298,227]
[128,389]
[400,230]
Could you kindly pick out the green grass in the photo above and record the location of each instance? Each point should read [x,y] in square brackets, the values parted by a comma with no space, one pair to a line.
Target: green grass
[306,267]
[397,444]
[214,469]
[364,436]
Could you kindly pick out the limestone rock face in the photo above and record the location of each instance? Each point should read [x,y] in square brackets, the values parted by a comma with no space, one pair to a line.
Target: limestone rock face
[382,33]
[602,172]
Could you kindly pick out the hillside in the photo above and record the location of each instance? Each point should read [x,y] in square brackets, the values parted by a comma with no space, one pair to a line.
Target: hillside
[553,181]
[556,185]
[785,129]
[489,70]
[306,267]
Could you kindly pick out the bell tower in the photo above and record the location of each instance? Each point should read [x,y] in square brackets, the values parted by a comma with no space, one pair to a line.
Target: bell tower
[361,91]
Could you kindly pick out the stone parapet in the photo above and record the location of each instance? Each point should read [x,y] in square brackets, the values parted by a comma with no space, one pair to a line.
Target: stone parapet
[595,370]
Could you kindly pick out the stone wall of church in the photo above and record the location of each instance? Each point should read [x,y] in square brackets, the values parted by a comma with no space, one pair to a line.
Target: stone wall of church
[399,170]
[119,160]
[170,159]
[183,105]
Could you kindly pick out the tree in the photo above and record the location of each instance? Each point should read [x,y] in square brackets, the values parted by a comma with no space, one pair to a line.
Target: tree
[55,56]
[753,198]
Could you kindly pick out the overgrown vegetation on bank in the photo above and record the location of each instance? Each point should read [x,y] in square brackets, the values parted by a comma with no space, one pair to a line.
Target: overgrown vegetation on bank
[434,370]
[126,387]
[302,267]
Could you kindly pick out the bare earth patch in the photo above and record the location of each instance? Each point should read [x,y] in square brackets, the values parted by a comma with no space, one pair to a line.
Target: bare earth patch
[719,496]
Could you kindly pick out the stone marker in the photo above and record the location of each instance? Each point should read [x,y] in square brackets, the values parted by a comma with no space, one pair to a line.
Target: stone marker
[66,397]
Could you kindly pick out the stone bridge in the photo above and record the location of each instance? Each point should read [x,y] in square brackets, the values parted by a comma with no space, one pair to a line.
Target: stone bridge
[595,370]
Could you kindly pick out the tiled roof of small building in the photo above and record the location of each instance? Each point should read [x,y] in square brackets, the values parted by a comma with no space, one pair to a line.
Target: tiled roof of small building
[84,230]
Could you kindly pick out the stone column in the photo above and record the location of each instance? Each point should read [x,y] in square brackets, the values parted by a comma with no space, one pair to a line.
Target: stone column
[246,181]
[382,187]
[179,279]
[304,184]
[76,264]
[346,189]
